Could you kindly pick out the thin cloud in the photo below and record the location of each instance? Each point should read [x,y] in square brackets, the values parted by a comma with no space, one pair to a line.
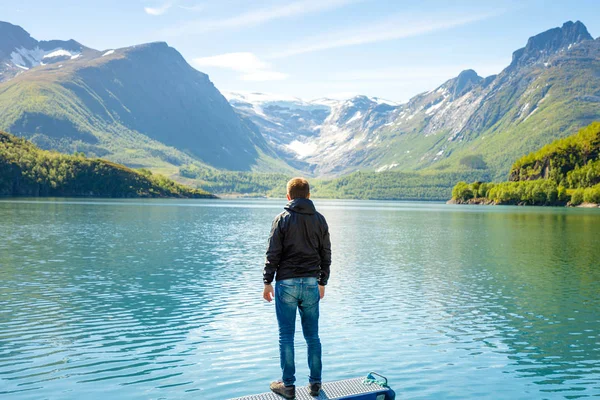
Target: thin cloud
[160,10]
[398,27]
[255,17]
[251,67]
[193,8]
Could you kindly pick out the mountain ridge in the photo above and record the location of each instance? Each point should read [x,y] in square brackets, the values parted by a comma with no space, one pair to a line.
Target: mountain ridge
[492,120]
[19,51]
[141,105]
[551,41]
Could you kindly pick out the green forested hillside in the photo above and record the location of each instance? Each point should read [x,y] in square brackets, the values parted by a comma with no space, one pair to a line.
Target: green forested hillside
[567,170]
[236,182]
[392,185]
[26,170]
[564,161]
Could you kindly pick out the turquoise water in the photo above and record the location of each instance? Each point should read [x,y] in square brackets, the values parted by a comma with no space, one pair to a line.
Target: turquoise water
[162,299]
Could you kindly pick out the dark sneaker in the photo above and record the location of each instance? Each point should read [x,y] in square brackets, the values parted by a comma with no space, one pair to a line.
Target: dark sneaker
[289,392]
[314,388]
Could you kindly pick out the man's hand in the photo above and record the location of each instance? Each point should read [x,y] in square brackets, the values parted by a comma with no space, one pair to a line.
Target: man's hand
[321,291]
[269,293]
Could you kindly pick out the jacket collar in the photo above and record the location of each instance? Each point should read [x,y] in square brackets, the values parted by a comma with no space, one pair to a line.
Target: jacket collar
[301,206]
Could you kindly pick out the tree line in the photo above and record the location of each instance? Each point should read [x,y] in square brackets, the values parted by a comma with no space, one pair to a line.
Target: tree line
[388,185]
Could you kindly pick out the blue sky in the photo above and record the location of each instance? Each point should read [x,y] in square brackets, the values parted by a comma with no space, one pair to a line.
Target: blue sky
[312,48]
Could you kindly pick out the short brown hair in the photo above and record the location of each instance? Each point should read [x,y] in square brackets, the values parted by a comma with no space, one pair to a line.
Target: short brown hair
[298,188]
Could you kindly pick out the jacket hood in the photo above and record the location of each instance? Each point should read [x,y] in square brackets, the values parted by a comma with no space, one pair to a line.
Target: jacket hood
[301,206]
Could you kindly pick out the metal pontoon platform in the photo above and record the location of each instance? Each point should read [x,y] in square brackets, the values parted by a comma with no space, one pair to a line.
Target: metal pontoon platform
[354,389]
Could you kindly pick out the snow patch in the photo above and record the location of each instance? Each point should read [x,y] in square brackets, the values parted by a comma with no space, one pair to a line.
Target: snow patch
[524,108]
[379,100]
[354,117]
[108,53]
[324,101]
[23,57]
[303,150]
[260,98]
[386,167]
[58,53]
[434,107]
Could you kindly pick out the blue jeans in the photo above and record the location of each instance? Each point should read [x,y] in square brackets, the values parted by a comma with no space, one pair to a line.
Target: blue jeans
[301,294]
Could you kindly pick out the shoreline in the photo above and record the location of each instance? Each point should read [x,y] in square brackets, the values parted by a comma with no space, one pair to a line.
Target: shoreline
[75,196]
[486,202]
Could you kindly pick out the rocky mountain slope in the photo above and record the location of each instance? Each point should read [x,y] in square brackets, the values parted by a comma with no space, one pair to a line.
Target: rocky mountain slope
[317,135]
[141,105]
[551,88]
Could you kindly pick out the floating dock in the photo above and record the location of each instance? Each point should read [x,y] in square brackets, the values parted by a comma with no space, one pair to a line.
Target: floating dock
[355,389]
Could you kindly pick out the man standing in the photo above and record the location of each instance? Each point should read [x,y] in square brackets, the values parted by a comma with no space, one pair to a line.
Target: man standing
[299,256]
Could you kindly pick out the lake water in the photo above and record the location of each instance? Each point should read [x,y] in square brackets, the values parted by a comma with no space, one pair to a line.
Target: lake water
[162,299]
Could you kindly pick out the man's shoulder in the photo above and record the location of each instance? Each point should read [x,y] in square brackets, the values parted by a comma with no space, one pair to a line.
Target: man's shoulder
[322,221]
[281,216]
[320,216]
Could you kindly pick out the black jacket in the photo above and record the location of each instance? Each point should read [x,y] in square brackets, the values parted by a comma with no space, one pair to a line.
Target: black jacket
[299,244]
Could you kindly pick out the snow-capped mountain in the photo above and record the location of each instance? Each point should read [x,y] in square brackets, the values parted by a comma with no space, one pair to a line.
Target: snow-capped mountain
[279,116]
[286,122]
[19,51]
[317,134]
[550,89]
